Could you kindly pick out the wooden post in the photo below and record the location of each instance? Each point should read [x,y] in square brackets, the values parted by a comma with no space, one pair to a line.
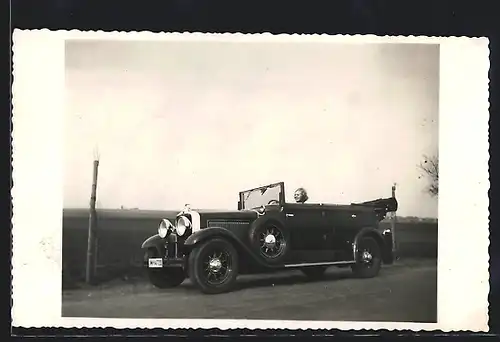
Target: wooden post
[91,242]
[393,222]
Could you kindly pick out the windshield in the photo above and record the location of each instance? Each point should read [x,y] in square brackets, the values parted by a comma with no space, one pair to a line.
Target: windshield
[258,197]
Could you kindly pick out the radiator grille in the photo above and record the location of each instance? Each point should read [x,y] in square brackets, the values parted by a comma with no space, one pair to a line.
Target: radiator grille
[175,248]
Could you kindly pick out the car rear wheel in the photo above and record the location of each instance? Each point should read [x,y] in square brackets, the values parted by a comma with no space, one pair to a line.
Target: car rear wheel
[213,266]
[369,258]
[164,278]
[315,272]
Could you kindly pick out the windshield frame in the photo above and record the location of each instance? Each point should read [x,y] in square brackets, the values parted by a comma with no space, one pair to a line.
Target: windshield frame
[281,199]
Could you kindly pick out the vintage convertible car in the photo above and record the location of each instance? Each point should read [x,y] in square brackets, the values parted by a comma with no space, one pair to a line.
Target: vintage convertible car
[267,234]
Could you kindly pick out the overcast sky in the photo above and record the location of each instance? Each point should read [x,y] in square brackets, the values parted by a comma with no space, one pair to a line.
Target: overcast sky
[196,122]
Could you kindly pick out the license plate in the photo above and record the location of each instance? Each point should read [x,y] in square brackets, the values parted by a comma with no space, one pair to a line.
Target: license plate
[155,262]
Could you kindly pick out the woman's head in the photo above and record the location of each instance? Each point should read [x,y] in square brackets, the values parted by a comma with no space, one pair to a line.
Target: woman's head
[300,195]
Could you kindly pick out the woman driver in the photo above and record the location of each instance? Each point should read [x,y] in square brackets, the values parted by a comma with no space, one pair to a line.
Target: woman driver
[300,195]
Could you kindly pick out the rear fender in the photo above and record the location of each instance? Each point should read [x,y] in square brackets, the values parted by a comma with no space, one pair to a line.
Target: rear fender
[383,240]
[218,232]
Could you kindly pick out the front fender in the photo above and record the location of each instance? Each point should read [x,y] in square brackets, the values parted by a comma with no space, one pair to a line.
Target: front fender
[214,232]
[154,241]
[384,241]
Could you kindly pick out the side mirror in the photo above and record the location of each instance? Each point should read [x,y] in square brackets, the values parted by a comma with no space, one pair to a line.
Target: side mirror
[239,205]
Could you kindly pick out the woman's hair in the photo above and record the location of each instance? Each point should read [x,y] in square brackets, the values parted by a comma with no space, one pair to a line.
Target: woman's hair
[304,196]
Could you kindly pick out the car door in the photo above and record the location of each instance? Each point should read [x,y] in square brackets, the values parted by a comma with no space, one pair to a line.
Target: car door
[309,232]
[344,222]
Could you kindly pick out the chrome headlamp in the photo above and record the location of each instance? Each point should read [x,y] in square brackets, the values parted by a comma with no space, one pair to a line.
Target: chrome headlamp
[183,224]
[165,228]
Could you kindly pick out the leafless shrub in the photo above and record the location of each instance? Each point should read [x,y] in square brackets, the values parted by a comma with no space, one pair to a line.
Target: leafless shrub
[430,168]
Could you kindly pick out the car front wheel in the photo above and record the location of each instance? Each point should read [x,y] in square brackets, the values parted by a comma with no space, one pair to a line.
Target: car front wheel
[164,278]
[213,266]
[369,258]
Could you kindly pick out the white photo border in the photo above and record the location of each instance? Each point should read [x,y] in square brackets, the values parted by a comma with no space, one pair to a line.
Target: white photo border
[38,114]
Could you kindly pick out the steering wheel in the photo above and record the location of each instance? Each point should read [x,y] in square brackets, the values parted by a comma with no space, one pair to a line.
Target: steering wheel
[273,201]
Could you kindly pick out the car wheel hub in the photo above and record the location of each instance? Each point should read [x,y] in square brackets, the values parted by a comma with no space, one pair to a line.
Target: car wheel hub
[270,241]
[366,256]
[215,265]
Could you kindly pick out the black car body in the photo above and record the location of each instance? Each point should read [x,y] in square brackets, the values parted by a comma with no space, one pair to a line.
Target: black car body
[267,234]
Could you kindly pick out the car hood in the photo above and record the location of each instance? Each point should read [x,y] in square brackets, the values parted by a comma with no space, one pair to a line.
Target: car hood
[227,214]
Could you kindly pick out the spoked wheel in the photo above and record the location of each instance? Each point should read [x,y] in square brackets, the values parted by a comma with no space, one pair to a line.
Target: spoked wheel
[315,272]
[213,266]
[272,242]
[164,278]
[369,258]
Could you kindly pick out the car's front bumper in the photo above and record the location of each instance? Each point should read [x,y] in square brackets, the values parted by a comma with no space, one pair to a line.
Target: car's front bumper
[152,263]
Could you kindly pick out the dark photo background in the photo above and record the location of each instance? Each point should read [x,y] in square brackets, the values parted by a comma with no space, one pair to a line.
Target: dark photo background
[442,18]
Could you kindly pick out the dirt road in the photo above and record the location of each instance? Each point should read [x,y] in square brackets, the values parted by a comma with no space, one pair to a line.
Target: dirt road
[405,291]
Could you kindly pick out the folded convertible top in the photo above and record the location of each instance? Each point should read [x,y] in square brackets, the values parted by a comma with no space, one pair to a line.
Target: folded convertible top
[382,205]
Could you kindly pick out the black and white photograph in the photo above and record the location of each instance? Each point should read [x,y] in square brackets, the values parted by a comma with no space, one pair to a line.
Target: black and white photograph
[212,178]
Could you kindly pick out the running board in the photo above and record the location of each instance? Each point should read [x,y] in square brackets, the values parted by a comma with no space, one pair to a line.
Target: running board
[328,263]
